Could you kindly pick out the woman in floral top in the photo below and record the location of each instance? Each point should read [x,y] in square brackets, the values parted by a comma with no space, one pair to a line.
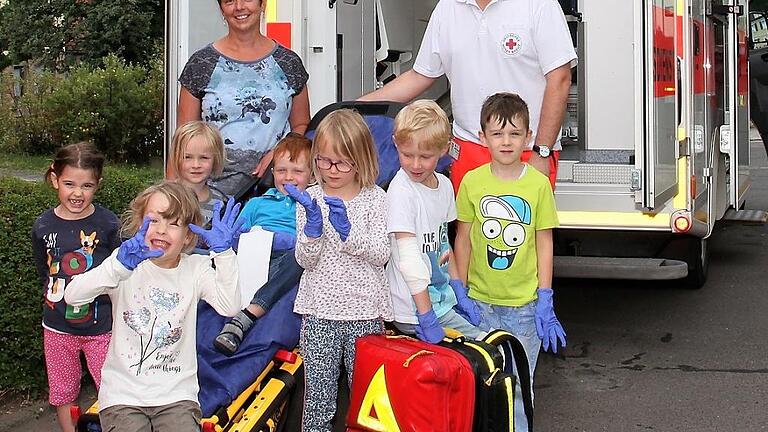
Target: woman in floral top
[253,89]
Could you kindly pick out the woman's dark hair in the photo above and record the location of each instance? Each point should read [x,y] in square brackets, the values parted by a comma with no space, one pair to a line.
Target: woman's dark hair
[83,155]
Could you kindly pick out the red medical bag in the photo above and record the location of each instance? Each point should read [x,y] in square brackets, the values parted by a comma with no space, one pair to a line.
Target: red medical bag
[405,385]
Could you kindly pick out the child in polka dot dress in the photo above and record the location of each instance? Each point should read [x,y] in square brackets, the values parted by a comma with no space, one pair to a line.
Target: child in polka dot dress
[342,245]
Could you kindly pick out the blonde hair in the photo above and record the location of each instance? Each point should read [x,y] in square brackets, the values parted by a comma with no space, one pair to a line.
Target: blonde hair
[189,130]
[424,123]
[348,135]
[183,207]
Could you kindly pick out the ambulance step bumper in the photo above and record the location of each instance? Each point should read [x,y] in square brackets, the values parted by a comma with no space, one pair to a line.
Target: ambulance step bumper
[580,267]
[746,216]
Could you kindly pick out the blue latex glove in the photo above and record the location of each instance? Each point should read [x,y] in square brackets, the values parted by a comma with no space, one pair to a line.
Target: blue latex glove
[244,228]
[133,251]
[314,225]
[428,329]
[548,327]
[465,306]
[223,228]
[338,216]
[283,241]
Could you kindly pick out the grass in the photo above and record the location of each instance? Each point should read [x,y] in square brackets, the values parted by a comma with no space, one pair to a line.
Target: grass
[33,164]
[144,171]
[19,162]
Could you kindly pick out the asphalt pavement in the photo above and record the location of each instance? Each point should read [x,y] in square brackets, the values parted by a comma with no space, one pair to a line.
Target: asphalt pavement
[650,356]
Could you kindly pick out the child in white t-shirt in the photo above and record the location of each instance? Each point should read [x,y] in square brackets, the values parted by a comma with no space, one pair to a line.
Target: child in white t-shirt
[426,292]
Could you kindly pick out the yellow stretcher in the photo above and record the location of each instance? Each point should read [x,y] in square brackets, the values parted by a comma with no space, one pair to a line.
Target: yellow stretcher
[265,406]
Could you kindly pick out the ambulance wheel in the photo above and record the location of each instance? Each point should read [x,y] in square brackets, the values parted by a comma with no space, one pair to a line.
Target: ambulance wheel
[698,263]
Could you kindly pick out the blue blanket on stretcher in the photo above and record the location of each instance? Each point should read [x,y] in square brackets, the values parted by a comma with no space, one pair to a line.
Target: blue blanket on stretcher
[223,378]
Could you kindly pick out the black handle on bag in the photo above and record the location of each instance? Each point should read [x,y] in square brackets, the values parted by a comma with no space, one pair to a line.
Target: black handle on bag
[513,349]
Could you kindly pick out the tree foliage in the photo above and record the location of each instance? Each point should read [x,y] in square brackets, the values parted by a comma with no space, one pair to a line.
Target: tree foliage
[117,106]
[758,5]
[61,33]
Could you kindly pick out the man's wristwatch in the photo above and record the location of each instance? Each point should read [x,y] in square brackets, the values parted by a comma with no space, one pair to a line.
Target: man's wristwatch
[542,151]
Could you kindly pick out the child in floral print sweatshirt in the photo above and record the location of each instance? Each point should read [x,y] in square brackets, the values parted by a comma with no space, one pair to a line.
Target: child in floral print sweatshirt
[343,245]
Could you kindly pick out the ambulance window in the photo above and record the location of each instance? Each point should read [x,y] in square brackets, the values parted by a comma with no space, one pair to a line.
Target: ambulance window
[759,27]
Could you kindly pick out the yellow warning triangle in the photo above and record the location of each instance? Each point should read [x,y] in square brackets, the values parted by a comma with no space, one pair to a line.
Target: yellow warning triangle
[376,411]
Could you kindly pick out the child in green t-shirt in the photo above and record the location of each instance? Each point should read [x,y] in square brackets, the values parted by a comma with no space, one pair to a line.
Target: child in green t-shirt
[506,212]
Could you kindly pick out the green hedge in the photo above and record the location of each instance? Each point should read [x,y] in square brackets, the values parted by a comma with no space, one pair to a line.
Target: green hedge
[26,119]
[21,347]
[21,356]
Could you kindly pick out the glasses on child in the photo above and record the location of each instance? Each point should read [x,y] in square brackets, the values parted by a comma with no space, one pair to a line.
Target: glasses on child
[342,166]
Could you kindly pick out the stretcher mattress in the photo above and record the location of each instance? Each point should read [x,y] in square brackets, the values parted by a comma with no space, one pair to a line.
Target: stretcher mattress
[222,378]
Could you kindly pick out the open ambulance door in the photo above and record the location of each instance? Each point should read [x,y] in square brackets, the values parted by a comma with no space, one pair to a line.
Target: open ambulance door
[661,71]
[736,145]
[189,26]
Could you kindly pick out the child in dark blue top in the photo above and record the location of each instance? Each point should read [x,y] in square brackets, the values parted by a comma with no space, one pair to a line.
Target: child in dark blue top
[274,211]
[68,240]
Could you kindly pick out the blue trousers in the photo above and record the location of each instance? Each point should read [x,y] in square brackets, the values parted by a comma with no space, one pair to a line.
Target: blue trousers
[284,274]
[520,321]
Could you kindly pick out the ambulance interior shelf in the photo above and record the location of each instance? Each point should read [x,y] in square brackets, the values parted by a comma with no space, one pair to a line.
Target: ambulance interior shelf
[387,58]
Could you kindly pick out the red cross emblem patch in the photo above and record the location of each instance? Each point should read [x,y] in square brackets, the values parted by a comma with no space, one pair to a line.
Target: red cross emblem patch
[511,44]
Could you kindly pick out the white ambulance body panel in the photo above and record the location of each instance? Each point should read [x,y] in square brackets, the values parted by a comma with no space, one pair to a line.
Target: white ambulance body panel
[608,96]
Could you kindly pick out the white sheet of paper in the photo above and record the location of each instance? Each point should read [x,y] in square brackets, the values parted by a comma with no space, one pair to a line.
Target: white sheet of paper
[253,255]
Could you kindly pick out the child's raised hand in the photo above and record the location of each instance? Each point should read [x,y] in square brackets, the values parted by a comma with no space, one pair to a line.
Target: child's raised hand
[338,216]
[300,196]
[314,226]
[223,228]
[133,251]
[236,235]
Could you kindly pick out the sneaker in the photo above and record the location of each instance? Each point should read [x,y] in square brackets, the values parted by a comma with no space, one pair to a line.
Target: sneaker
[227,343]
[231,336]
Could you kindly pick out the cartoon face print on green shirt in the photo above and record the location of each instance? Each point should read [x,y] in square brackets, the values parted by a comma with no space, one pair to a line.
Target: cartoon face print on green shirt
[503,225]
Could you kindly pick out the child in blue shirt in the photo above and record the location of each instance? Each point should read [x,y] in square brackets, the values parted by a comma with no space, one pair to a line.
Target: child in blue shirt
[274,211]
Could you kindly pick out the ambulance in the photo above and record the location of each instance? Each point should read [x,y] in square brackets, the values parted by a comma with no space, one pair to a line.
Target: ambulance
[656,136]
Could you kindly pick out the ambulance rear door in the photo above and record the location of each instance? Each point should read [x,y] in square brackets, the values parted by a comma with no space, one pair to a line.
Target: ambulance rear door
[661,73]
